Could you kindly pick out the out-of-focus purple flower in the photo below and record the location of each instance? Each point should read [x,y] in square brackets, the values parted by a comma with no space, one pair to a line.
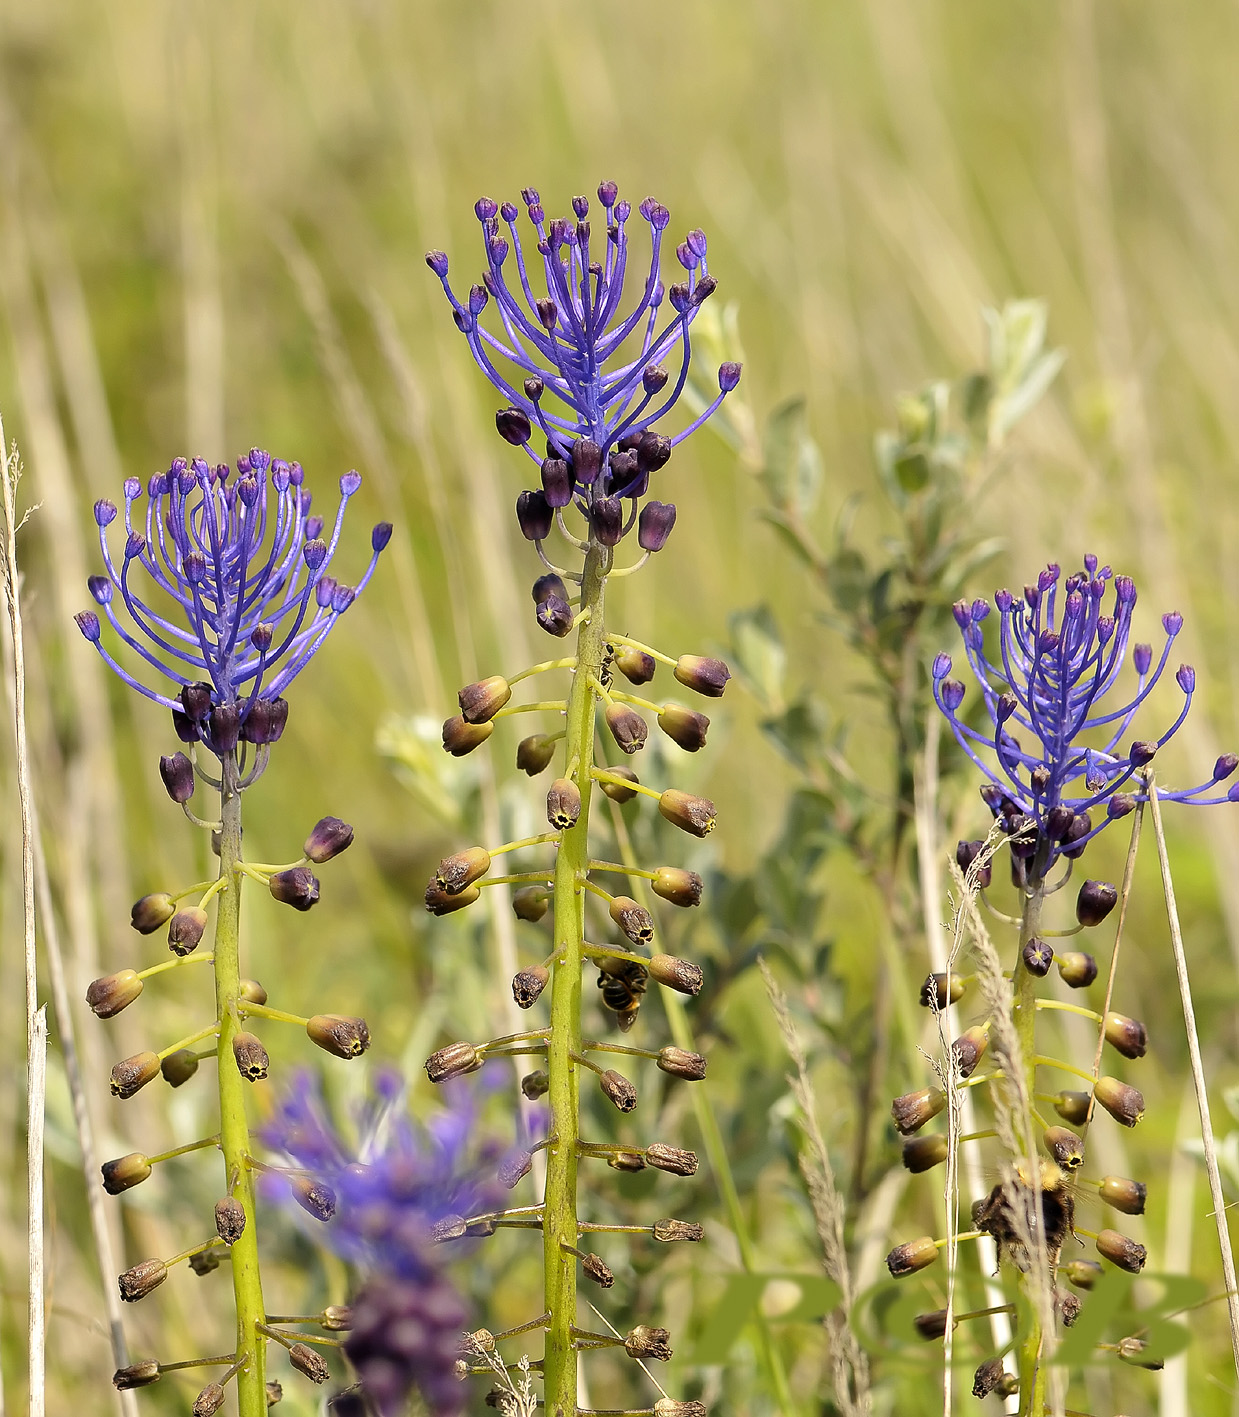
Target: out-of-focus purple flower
[243,597]
[594,378]
[1058,657]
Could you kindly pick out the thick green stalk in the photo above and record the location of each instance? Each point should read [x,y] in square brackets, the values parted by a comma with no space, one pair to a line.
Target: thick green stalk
[234,1135]
[1031,1370]
[560,1216]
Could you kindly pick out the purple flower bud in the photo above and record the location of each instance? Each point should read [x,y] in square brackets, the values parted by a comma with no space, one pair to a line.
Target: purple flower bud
[513,426]
[1120,805]
[224,725]
[607,520]
[329,838]
[586,460]
[952,694]
[1224,766]
[1105,628]
[177,773]
[653,451]
[1004,600]
[1048,577]
[105,512]
[980,609]
[535,515]
[349,483]
[100,589]
[941,667]
[297,887]
[135,544]
[133,488]
[1141,658]
[477,299]
[546,586]
[261,638]
[1142,753]
[680,298]
[1074,607]
[265,721]
[88,623]
[556,482]
[607,193]
[654,525]
[324,590]
[653,378]
[554,615]
[1172,623]
[1186,678]
[729,375]
[380,536]
[704,288]
[1125,590]
[196,701]
[962,613]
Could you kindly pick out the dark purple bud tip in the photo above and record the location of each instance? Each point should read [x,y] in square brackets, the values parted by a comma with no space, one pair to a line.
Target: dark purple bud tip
[653,451]
[261,638]
[329,838]
[586,460]
[554,615]
[1038,956]
[484,208]
[1120,805]
[1095,901]
[952,694]
[705,676]
[1141,658]
[88,623]
[380,536]
[1073,842]
[653,378]
[265,721]
[961,614]
[1142,752]
[966,852]
[1224,766]
[556,482]
[297,887]
[196,701]
[548,585]
[1128,1035]
[729,375]
[1186,678]
[513,426]
[654,525]
[607,517]
[177,773]
[100,589]
[535,515]
[224,726]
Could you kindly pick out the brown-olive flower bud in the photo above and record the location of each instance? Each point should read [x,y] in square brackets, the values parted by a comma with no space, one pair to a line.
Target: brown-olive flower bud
[441,902]
[133,1073]
[316,1198]
[177,773]
[329,837]
[514,1168]
[594,1268]
[924,1153]
[1077,968]
[275,1393]
[229,1220]
[679,974]
[306,1361]
[186,928]
[1123,1102]
[528,984]
[935,991]
[534,754]
[616,791]
[563,804]
[531,903]
[669,1407]
[480,702]
[1065,1147]
[107,996]
[914,1109]
[337,1318]
[253,1062]
[251,991]
[626,1161]
[618,1089]
[912,1256]
[634,920]
[684,727]
[680,1063]
[1068,1306]
[124,1172]
[988,1377]
[335,1033]
[966,852]
[931,1326]
[706,676]
[1038,956]
[646,1342]
[627,727]
[694,815]
[669,1231]
[137,1283]
[1083,1273]
[206,1261]
[209,1401]
[1128,1035]
[460,737]
[1095,901]
[454,1061]
[297,887]
[671,1158]
[177,1068]
[152,911]
[677,886]
[969,1048]
[1073,1107]
[634,664]
[1119,1250]
[1123,1194]
[141,1374]
[1135,1351]
[536,1084]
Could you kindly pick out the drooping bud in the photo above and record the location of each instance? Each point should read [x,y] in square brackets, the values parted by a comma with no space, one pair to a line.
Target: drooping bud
[306,1361]
[138,1282]
[1073,1107]
[114,992]
[1077,968]
[454,1061]
[680,1063]
[563,804]
[966,853]
[125,1172]
[530,903]
[912,1256]
[988,1377]
[275,1393]
[314,1197]
[514,1168]
[634,664]
[1065,1147]
[480,702]
[1083,1273]
[607,520]
[208,1402]
[229,1220]
[626,1161]
[627,727]
[460,870]
[441,902]
[694,815]
[1038,956]
[536,1084]
[528,984]
[186,928]
[705,676]
[152,911]
[969,1048]
[669,1231]
[136,1375]
[177,1068]
[513,426]
[1095,901]
[206,1261]
[1123,1102]
[460,737]
[177,773]
[131,1074]
[196,701]
[337,1318]
[616,791]
[554,615]
[911,1111]
[334,1033]
[646,1342]
[266,721]
[252,1060]
[1119,1250]
[1127,1035]
[618,1089]
[677,886]
[251,991]
[935,990]
[1123,1194]
[654,525]
[329,838]
[671,1158]
[931,1326]
[534,754]
[684,727]
[297,887]
[1135,1350]
[633,919]
[924,1153]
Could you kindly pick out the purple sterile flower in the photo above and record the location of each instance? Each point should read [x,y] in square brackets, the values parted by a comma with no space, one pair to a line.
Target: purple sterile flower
[1064,765]
[242,595]
[592,373]
[400,1194]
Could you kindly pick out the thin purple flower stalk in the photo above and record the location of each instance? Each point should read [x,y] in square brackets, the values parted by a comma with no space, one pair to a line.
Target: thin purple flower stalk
[613,374]
[245,566]
[1059,656]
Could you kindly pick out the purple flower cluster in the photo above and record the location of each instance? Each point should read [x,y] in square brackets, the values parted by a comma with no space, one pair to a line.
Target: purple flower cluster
[592,377]
[241,568]
[1057,659]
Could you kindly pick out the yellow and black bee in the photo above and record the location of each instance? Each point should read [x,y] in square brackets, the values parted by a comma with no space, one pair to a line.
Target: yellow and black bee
[622,982]
[1010,1210]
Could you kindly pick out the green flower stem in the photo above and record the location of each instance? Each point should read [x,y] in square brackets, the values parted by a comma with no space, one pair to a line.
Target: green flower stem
[249,1010]
[1070,1009]
[619,869]
[543,706]
[571,865]
[234,1126]
[601,775]
[180,1043]
[645,649]
[182,1150]
[1032,1372]
[1043,1060]
[540,840]
[569,663]
[518,878]
[176,964]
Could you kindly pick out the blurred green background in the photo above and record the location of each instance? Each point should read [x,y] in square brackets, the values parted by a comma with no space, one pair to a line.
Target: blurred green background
[212,221]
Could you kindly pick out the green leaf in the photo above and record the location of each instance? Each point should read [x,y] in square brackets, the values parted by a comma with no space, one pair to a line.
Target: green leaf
[792,468]
[912,470]
[758,655]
